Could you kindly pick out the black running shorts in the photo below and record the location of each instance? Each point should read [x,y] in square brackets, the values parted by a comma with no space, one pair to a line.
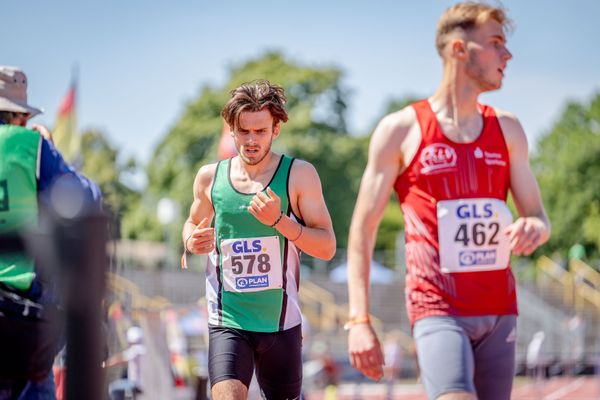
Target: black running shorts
[276,357]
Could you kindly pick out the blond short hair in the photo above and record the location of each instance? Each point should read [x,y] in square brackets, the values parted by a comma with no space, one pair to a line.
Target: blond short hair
[464,17]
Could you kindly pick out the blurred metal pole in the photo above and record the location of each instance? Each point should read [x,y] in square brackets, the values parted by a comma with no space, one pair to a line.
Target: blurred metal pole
[81,244]
[201,386]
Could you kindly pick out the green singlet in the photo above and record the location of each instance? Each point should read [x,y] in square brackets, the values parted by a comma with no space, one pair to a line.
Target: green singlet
[252,276]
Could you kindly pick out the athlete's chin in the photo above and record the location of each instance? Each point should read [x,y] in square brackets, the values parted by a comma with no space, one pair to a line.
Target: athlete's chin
[250,160]
[491,86]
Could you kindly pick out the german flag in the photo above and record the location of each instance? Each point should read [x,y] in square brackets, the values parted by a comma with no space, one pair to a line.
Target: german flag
[65,136]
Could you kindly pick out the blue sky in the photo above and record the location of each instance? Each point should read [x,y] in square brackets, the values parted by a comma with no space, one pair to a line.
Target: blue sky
[140,61]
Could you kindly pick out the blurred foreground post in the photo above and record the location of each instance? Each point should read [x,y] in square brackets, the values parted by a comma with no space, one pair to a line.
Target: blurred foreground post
[81,252]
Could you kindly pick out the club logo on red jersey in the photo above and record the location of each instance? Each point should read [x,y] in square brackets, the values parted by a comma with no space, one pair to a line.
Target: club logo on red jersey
[436,157]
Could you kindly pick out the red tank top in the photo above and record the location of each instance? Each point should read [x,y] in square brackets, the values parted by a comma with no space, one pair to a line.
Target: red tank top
[444,170]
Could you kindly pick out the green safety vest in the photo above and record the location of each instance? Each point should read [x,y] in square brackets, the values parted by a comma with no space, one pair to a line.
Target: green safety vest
[19,164]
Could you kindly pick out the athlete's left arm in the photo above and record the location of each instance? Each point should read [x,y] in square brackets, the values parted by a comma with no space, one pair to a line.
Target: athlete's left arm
[316,237]
[532,228]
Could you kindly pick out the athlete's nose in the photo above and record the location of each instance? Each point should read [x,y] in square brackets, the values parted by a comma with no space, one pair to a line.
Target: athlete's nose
[507,54]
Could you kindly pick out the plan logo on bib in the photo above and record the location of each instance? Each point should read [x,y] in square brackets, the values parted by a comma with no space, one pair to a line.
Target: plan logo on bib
[437,157]
[251,282]
[469,258]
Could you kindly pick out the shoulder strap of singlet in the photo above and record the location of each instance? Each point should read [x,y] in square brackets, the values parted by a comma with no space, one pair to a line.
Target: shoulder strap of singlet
[492,128]
[427,119]
[220,179]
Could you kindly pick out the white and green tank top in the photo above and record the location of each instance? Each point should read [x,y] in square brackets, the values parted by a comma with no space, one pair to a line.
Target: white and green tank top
[252,276]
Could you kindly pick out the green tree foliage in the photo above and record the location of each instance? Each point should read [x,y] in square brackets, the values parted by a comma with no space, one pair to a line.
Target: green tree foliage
[316,132]
[567,164]
[398,103]
[340,161]
[101,163]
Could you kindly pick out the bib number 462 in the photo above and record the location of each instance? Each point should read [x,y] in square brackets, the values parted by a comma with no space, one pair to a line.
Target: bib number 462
[262,263]
[480,234]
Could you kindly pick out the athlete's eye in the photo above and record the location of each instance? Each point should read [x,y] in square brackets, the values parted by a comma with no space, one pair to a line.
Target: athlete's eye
[497,43]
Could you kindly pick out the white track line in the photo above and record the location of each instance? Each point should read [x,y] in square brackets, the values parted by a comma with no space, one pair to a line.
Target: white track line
[563,391]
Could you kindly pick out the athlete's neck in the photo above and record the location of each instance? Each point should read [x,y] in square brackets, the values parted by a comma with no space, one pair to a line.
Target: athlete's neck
[256,171]
[456,97]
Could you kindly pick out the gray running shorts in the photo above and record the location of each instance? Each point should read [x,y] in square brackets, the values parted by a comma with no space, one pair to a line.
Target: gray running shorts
[468,354]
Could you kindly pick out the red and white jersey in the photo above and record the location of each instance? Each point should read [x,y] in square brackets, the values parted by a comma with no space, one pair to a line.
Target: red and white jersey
[453,200]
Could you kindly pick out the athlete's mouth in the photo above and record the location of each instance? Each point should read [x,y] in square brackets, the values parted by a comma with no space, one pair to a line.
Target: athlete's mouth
[252,151]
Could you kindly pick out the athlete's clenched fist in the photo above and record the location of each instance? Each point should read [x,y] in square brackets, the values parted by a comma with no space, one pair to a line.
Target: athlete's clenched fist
[266,207]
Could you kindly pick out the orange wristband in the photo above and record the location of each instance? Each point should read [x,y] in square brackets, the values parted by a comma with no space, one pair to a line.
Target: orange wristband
[364,319]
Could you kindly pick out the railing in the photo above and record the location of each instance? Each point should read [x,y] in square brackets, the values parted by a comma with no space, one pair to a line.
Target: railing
[586,282]
[130,293]
[580,285]
[319,307]
[552,274]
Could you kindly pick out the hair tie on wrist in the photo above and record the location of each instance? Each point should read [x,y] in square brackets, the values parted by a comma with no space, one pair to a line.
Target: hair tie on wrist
[277,220]
[185,246]
[299,234]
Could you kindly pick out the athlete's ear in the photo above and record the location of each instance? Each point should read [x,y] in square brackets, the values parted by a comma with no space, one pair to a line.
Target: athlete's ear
[458,49]
[276,130]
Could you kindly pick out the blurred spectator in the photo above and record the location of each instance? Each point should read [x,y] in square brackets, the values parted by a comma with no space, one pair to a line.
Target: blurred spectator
[132,356]
[535,359]
[329,368]
[32,173]
[575,351]
[392,354]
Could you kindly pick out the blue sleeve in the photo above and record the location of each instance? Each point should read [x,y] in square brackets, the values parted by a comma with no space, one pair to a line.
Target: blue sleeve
[54,168]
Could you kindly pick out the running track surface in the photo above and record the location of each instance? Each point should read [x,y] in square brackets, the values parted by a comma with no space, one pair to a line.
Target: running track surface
[562,388]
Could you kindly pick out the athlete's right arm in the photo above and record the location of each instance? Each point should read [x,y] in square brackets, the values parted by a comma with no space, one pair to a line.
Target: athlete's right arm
[383,166]
[198,236]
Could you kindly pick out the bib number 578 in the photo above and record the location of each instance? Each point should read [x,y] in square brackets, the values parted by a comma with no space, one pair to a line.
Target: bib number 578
[262,263]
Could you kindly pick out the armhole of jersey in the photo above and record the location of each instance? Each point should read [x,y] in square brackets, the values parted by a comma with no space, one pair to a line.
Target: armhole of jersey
[490,112]
[277,172]
[212,189]
[290,208]
[217,265]
[422,141]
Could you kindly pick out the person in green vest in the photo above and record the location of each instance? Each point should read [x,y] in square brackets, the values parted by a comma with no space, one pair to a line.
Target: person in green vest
[30,167]
[253,214]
